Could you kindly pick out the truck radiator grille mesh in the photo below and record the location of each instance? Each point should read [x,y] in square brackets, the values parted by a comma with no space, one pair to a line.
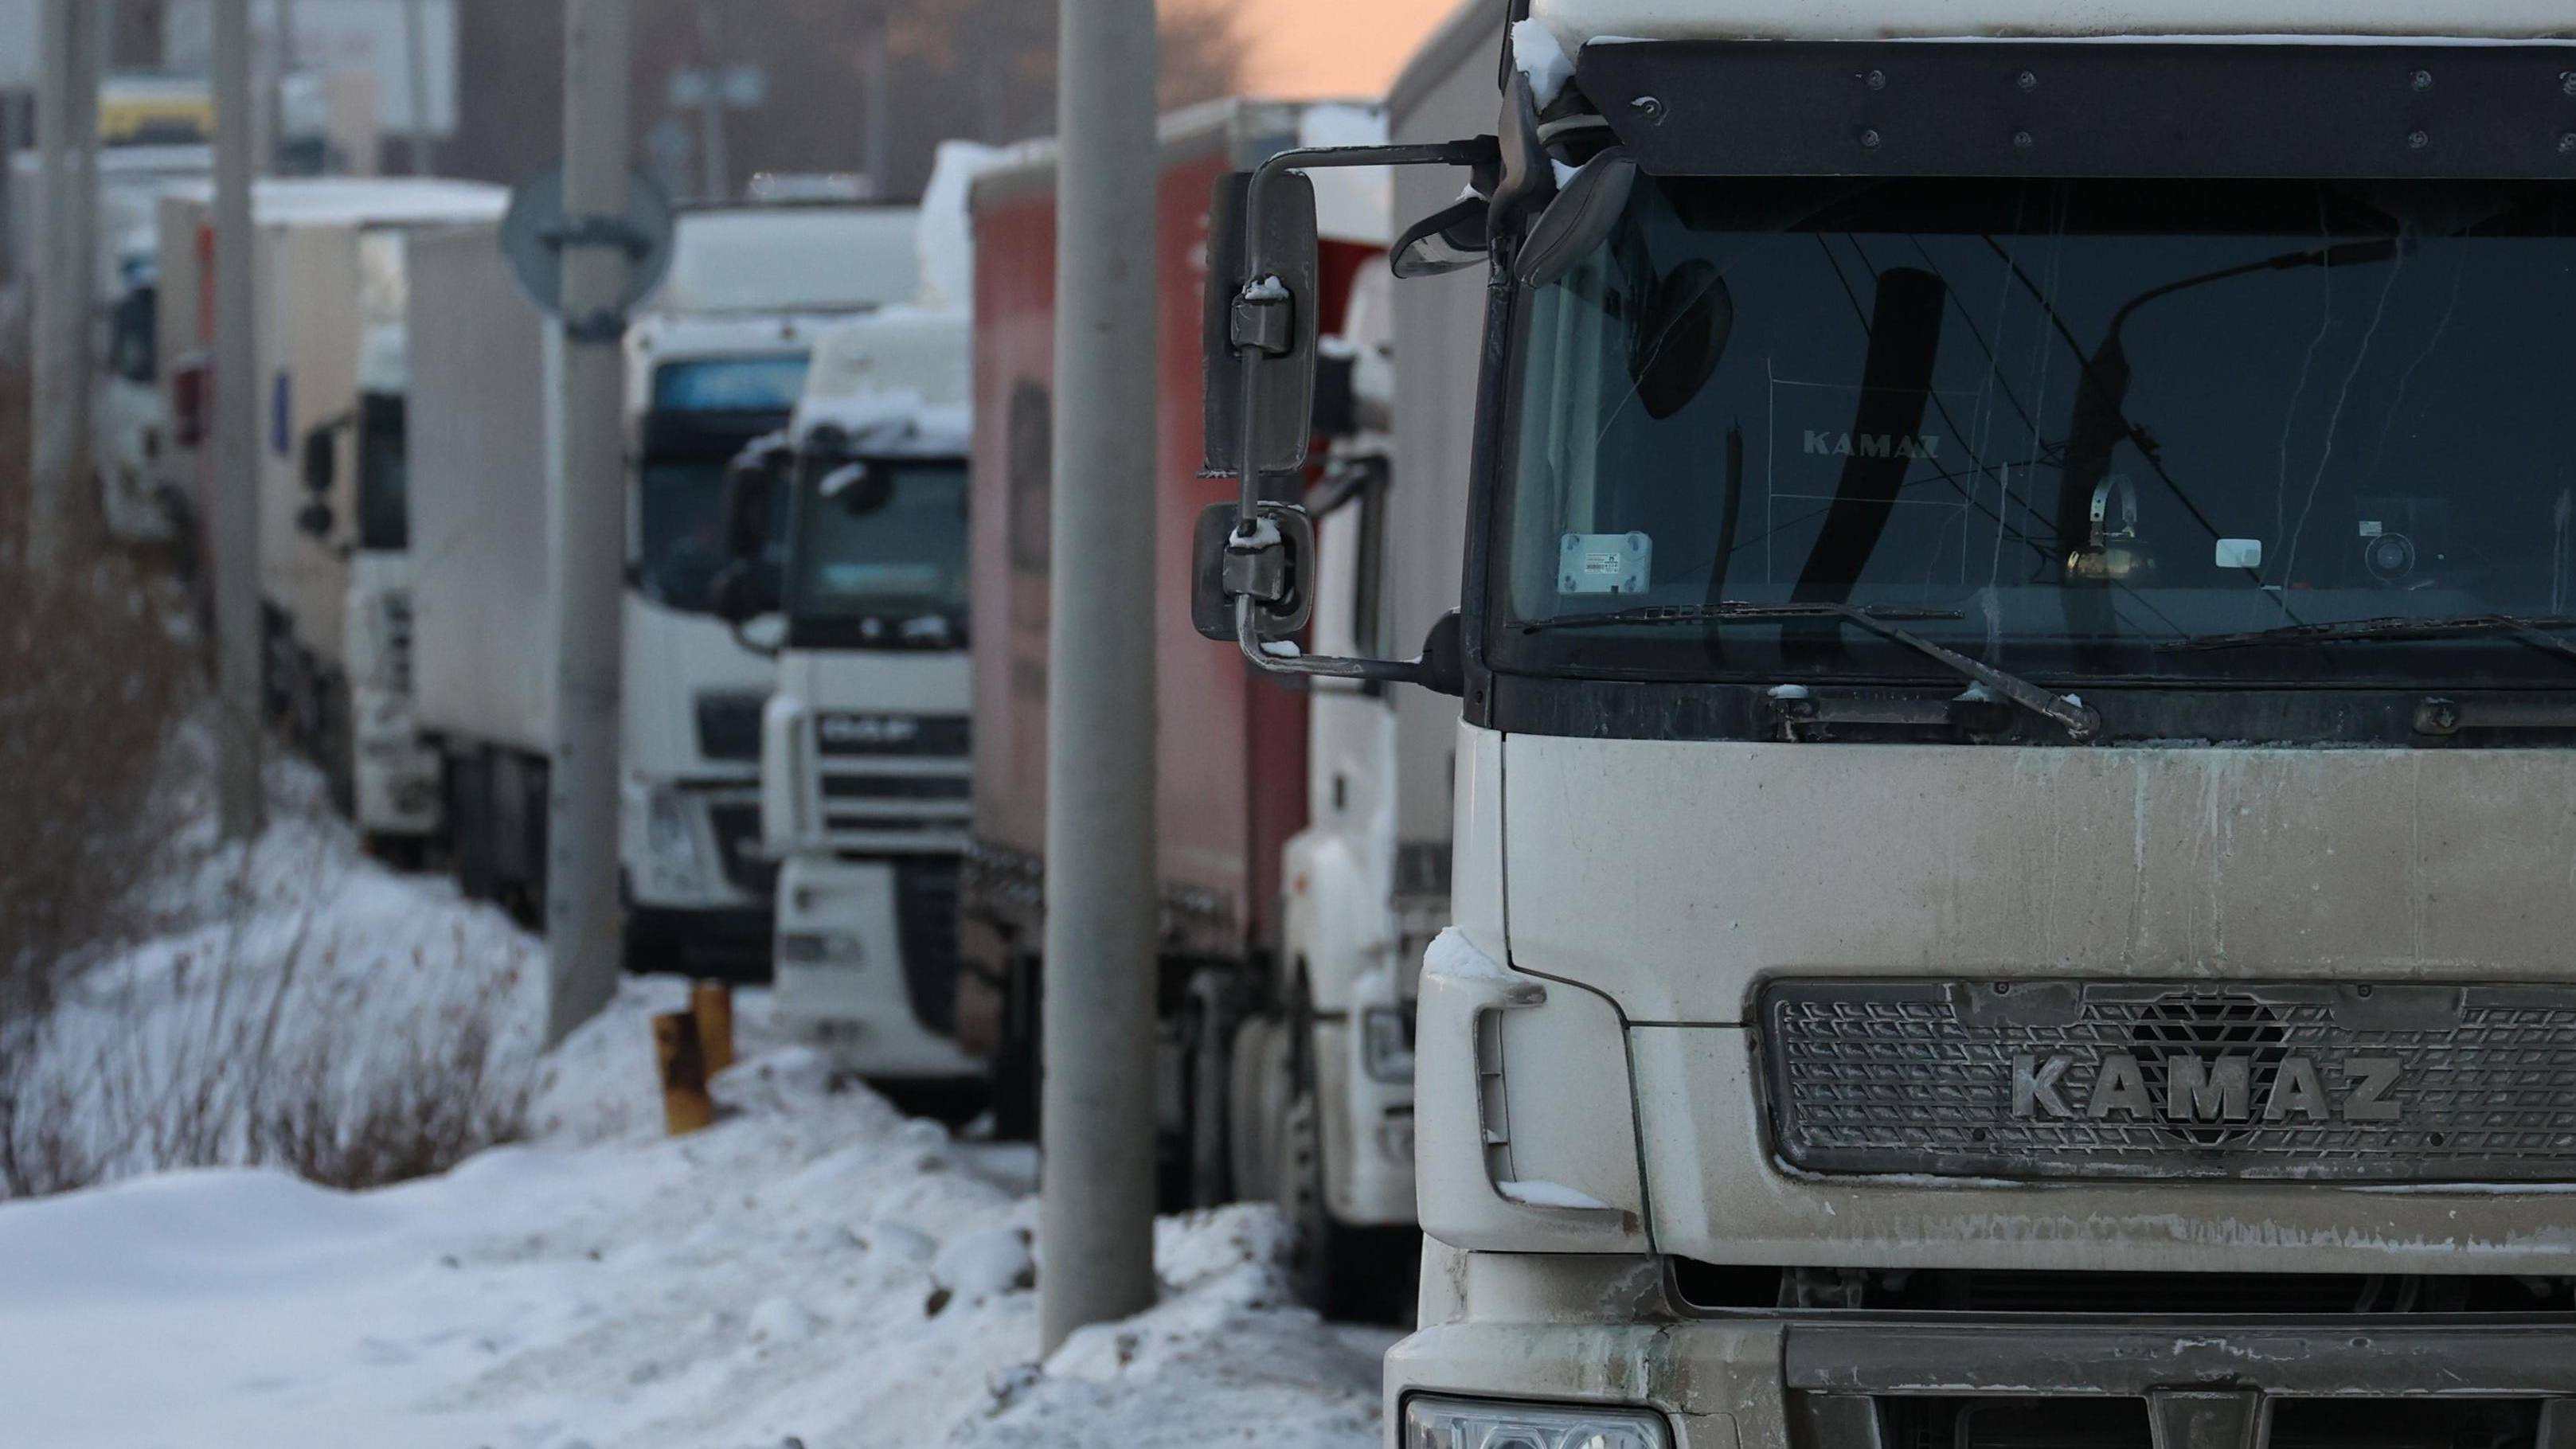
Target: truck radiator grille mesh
[2325,1082]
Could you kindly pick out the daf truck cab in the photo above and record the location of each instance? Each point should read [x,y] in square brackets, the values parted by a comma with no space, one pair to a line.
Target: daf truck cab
[2011,686]
[851,528]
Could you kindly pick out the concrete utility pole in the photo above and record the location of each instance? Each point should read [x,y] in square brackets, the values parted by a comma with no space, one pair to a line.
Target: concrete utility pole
[416,56]
[582,908]
[233,520]
[1097,1125]
[74,42]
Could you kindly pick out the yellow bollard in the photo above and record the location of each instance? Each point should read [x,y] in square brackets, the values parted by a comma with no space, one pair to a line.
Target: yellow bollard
[712,1003]
[686,1107]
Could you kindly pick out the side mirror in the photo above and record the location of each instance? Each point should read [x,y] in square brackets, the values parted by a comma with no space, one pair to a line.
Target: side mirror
[321,460]
[1449,240]
[1276,576]
[1529,173]
[1688,316]
[1260,330]
[737,596]
[1579,220]
[747,498]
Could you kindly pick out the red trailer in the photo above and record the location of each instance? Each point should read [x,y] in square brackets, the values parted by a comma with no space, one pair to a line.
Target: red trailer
[1232,758]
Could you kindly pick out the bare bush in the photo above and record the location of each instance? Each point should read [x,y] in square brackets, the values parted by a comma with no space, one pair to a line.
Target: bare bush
[355,1116]
[260,1044]
[96,673]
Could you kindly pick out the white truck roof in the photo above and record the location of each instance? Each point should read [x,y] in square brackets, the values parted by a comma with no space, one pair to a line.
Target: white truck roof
[1578,21]
[353,201]
[791,259]
[897,381]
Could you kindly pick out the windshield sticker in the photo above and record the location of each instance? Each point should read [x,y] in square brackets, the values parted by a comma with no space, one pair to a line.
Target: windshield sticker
[2239,553]
[1605,563]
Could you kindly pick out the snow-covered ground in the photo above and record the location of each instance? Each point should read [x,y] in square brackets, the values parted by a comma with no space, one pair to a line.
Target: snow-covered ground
[814,1270]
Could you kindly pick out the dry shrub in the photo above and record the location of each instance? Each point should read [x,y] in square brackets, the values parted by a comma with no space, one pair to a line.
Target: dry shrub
[96,672]
[270,1057]
[355,1115]
[97,669]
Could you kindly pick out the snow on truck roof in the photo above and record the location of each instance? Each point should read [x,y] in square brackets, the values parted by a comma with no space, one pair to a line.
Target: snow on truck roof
[1351,204]
[1578,21]
[344,201]
[791,258]
[900,381]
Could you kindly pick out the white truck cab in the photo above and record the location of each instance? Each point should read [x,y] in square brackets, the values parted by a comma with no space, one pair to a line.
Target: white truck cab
[2012,708]
[700,388]
[865,743]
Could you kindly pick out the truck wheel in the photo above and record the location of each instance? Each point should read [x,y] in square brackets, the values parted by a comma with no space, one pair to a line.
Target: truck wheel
[1016,1069]
[1212,1179]
[1258,1091]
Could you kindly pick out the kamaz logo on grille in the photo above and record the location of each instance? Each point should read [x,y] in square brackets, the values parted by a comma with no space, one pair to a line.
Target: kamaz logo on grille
[863,730]
[2206,1089]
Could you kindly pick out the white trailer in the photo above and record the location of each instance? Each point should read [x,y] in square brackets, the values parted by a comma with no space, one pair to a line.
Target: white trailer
[129,420]
[334,521]
[481,397]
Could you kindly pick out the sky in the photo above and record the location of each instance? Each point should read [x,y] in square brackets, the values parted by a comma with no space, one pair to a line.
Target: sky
[1334,47]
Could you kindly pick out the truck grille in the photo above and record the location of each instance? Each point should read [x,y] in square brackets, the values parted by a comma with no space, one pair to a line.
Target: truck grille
[2320,1082]
[729,725]
[925,898]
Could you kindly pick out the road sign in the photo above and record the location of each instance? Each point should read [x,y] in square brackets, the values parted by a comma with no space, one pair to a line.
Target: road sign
[534,235]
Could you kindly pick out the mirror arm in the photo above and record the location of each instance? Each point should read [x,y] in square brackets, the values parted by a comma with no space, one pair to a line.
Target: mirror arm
[1248,638]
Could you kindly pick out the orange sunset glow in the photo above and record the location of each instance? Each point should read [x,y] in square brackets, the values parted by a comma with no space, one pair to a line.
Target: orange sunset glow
[1333,47]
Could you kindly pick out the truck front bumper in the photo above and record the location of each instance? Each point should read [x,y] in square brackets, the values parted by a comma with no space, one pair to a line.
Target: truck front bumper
[1773,1382]
[843,984]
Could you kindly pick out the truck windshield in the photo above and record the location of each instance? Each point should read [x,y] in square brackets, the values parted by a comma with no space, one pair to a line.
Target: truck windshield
[2082,419]
[704,410]
[879,555]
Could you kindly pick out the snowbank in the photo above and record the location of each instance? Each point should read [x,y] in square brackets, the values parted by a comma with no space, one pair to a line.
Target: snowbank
[815,1269]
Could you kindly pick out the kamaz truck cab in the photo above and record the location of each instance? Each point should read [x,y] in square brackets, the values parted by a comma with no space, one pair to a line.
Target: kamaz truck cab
[2013,833]
[851,527]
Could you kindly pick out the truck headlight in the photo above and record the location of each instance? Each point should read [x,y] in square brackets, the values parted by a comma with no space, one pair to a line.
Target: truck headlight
[1468,1424]
[1386,1043]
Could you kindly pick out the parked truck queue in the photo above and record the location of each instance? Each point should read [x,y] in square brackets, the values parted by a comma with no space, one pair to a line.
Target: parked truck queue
[1861,707]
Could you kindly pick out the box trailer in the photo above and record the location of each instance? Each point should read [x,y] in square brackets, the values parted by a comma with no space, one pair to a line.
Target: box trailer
[1232,780]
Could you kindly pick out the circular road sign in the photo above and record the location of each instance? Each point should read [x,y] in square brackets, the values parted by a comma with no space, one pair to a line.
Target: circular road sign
[534,237]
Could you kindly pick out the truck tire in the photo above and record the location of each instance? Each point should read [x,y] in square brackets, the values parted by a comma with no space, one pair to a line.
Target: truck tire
[1259,1088]
[469,824]
[1017,1072]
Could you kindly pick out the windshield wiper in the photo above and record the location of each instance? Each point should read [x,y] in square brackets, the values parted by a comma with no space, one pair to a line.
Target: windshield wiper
[2078,718]
[2534,632]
